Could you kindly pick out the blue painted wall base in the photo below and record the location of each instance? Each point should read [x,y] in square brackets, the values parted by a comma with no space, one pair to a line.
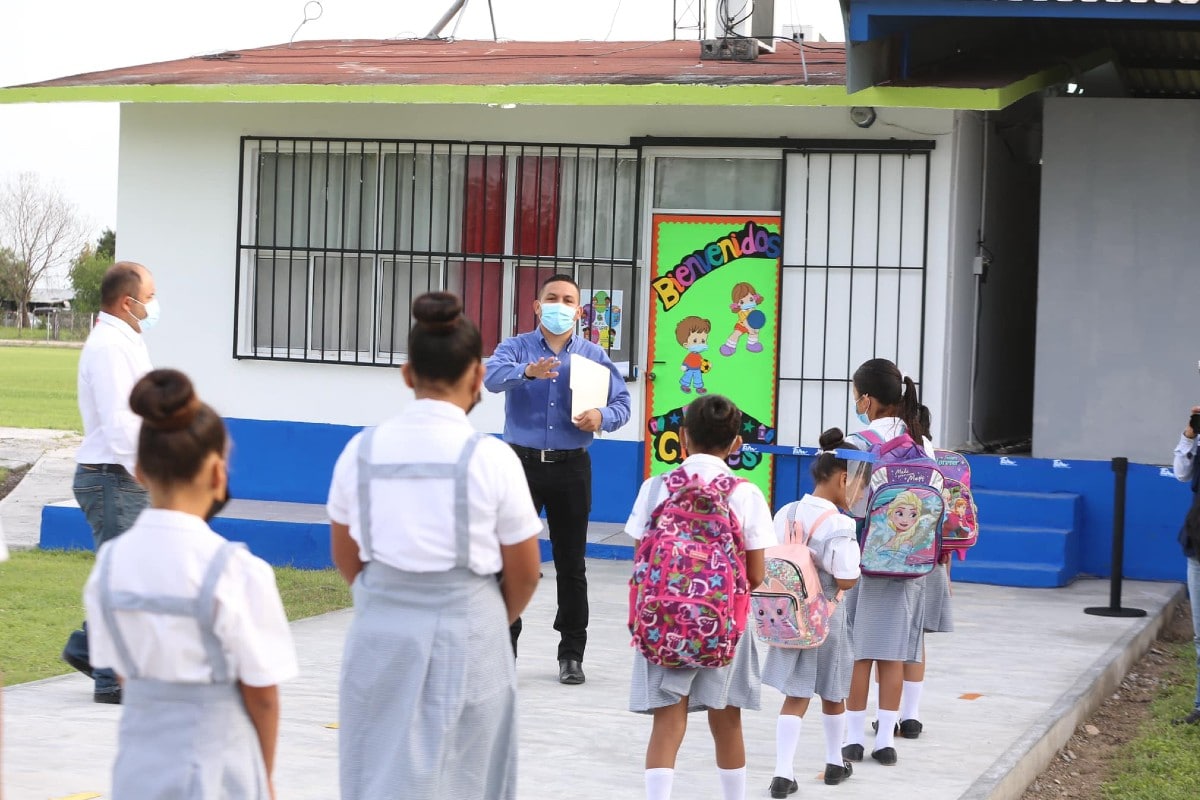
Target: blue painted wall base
[1044,522]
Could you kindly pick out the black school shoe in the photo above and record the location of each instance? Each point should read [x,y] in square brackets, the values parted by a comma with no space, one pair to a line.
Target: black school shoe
[908,728]
[885,756]
[852,752]
[782,787]
[835,774]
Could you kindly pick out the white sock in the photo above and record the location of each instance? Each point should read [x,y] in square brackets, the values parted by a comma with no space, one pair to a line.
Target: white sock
[835,730]
[886,735]
[658,783]
[787,737]
[910,701]
[856,722]
[733,783]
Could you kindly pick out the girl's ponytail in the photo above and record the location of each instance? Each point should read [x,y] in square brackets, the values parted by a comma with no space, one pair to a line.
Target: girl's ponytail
[916,416]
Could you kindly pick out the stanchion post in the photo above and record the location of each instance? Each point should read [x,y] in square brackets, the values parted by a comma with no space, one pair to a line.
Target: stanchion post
[1120,468]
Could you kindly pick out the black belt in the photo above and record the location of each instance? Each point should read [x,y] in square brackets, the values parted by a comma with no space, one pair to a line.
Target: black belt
[106,468]
[546,456]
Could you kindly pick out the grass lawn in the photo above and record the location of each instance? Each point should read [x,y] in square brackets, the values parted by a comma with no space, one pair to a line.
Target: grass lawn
[40,605]
[1163,762]
[37,388]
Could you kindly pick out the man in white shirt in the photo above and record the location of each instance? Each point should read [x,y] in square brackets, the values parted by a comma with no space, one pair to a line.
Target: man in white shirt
[113,360]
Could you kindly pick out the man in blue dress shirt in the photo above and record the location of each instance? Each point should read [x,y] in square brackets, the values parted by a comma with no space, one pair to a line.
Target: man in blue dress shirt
[534,371]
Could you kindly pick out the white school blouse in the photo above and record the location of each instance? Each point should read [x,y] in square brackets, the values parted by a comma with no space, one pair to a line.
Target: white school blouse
[746,502]
[891,427]
[834,539]
[412,521]
[1185,455]
[168,553]
[113,360]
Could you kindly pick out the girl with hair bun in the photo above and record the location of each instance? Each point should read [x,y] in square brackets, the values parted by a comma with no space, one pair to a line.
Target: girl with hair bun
[426,513]
[711,426]
[887,615]
[824,670]
[191,623]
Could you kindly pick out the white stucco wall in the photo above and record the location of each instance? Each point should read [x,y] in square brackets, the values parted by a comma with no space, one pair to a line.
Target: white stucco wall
[177,213]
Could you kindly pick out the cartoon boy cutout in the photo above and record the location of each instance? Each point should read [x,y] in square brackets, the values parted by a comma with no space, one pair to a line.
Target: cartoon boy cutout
[692,334]
[745,302]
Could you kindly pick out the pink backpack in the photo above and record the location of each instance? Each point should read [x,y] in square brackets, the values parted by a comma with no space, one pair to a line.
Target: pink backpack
[961,528]
[790,608]
[689,595]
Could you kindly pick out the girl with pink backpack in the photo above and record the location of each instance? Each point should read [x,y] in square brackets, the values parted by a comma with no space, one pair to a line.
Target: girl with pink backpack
[710,435]
[825,670]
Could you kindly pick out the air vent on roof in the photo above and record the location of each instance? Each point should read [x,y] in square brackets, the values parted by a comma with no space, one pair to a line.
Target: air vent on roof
[228,55]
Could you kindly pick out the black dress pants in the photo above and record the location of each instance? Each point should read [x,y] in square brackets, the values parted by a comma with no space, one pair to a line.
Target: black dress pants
[563,489]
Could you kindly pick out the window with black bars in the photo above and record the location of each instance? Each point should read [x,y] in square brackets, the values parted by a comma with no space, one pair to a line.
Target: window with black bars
[855,250]
[338,236]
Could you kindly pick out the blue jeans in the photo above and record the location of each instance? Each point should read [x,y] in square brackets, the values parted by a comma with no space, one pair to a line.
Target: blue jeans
[692,377]
[1193,583]
[111,500]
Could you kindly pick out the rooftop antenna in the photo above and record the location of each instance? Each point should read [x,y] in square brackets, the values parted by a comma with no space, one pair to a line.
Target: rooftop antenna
[307,19]
[456,8]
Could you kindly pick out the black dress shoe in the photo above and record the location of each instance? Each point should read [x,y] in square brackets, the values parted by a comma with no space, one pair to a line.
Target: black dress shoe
[885,756]
[853,752]
[835,774]
[570,672]
[911,728]
[1191,719]
[782,787]
[110,696]
[78,663]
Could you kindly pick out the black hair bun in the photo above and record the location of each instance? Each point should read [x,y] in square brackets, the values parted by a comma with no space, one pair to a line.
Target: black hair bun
[437,311]
[832,439]
[165,400]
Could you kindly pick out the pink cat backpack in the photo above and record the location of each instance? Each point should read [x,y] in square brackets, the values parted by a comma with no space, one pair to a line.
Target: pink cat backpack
[790,608]
[689,594]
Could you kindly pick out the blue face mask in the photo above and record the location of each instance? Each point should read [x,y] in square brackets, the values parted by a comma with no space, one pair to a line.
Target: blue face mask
[862,417]
[557,318]
[697,348]
[749,304]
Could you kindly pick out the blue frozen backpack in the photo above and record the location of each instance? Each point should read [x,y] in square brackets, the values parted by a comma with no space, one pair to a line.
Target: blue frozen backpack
[902,530]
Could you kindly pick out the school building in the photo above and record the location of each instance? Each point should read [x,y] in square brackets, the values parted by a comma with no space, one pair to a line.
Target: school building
[996,200]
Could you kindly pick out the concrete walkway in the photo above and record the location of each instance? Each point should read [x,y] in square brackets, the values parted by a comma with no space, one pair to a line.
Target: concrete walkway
[52,456]
[1003,692]
[1002,695]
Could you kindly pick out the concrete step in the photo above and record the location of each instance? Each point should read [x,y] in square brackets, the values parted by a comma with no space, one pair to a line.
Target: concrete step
[1020,544]
[1058,510]
[1008,573]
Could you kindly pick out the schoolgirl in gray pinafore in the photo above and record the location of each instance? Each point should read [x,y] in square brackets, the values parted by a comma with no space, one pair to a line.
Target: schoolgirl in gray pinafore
[182,740]
[428,684]
[887,618]
[825,670]
[737,684]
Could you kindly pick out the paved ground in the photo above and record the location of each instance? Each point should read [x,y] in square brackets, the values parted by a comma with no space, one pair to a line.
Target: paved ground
[52,454]
[1003,693]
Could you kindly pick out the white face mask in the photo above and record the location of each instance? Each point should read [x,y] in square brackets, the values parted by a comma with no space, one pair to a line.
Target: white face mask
[152,313]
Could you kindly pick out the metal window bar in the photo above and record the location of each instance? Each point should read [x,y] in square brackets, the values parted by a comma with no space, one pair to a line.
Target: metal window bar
[874,254]
[312,312]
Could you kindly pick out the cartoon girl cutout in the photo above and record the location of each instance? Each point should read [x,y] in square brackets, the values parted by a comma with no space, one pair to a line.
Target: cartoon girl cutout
[958,519]
[745,301]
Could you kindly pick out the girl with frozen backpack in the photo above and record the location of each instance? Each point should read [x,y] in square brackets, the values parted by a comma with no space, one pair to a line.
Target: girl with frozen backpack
[710,434]
[824,670]
[887,615]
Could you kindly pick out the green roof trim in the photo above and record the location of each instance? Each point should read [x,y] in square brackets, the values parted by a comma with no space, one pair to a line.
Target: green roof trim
[609,94]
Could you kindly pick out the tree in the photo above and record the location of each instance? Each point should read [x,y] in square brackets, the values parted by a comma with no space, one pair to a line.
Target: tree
[88,269]
[41,229]
[8,272]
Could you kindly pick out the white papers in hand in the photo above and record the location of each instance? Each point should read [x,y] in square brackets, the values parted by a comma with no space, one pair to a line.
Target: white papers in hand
[589,385]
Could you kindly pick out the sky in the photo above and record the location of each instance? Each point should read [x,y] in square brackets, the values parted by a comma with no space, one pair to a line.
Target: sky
[73,146]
